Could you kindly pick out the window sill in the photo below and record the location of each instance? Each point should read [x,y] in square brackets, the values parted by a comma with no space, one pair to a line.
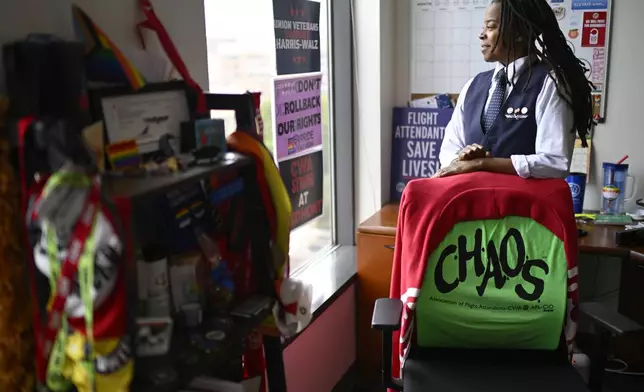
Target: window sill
[330,276]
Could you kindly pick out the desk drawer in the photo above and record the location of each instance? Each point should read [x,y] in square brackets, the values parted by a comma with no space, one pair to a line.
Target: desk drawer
[375,257]
[630,348]
[631,289]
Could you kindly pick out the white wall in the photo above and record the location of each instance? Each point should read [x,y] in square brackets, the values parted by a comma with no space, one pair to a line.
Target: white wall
[621,134]
[117,18]
[374,78]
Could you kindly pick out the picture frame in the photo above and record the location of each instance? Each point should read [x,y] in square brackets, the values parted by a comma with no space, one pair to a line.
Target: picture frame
[143,115]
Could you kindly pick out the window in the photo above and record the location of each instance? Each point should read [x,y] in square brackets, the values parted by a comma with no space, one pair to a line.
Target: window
[241,57]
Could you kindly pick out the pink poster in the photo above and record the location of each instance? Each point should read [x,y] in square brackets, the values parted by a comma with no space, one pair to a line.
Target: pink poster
[599,62]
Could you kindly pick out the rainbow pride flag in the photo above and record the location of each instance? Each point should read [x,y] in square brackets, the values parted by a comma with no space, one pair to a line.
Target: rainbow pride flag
[104,62]
[182,213]
[124,155]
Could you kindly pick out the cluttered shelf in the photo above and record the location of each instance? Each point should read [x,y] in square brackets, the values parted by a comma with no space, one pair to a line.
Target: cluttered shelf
[209,350]
[149,185]
[182,261]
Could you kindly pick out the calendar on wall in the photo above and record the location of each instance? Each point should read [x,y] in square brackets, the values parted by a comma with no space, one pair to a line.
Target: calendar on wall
[445,49]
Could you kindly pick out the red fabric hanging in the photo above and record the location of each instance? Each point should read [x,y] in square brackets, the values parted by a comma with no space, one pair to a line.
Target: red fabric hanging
[153,23]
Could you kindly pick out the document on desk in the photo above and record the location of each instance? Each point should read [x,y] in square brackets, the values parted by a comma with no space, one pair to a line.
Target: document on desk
[581,159]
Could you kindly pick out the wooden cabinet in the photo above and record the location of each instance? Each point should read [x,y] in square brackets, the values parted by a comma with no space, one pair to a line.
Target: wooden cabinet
[375,239]
[631,291]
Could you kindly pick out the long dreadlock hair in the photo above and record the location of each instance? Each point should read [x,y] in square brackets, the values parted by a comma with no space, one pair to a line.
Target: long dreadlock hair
[536,24]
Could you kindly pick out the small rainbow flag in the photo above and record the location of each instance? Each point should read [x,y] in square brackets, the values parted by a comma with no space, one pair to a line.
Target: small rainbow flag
[182,213]
[124,155]
[104,62]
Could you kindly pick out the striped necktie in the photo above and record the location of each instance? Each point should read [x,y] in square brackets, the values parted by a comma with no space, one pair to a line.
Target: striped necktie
[498,97]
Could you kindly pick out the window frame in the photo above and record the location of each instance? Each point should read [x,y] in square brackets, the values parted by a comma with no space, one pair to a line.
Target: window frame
[341,120]
[339,73]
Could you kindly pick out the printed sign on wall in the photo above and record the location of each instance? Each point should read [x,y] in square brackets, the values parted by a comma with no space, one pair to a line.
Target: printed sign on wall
[303,177]
[417,138]
[297,114]
[594,31]
[589,5]
[297,36]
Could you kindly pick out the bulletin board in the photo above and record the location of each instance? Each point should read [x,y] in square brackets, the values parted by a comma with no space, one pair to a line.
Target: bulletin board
[445,50]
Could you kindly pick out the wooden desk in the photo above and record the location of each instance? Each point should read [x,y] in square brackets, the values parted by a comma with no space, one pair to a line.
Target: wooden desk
[601,241]
[375,240]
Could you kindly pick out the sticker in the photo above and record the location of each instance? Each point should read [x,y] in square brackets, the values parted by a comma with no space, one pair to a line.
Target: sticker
[573,34]
[560,12]
[575,189]
[574,21]
[589,4]
[594,29]
[610,192]
[400,187]
[597,104]
[599,61]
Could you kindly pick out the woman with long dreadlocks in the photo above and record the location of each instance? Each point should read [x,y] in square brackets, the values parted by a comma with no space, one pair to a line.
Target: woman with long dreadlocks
[521,117]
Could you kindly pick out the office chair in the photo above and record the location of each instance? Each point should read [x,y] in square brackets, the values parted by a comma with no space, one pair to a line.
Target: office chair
[484,289]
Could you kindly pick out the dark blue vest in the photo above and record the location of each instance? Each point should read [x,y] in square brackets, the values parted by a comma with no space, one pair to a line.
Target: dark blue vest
[515,129]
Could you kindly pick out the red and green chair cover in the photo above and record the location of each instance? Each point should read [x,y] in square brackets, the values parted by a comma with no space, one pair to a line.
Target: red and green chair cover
[485,262]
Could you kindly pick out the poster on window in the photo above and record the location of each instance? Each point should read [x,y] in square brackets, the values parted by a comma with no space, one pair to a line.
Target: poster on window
[304,179]
[297,114]
[417,137]
[297,36]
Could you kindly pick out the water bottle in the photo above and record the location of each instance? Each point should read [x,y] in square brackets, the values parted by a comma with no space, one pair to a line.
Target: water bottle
[614,188]
[158,287]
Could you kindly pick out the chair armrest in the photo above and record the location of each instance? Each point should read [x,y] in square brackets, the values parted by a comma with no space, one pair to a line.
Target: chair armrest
[386,318]
[386,314]
[609,320]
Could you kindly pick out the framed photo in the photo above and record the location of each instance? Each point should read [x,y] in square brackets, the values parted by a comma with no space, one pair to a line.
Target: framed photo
[144,115]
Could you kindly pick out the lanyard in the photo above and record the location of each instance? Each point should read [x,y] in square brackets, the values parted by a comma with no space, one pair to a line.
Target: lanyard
[81,231]
[56,381]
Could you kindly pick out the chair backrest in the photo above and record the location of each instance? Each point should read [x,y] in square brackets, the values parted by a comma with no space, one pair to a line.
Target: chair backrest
[496,274]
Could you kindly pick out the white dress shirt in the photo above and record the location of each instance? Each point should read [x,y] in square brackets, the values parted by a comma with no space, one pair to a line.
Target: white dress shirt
[554,143]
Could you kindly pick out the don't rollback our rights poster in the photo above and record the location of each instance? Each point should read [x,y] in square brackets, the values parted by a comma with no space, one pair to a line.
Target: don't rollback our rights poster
[417,137]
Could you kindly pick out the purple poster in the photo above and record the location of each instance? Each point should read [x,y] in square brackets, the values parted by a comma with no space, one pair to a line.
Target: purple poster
[418,135]
[297,114]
